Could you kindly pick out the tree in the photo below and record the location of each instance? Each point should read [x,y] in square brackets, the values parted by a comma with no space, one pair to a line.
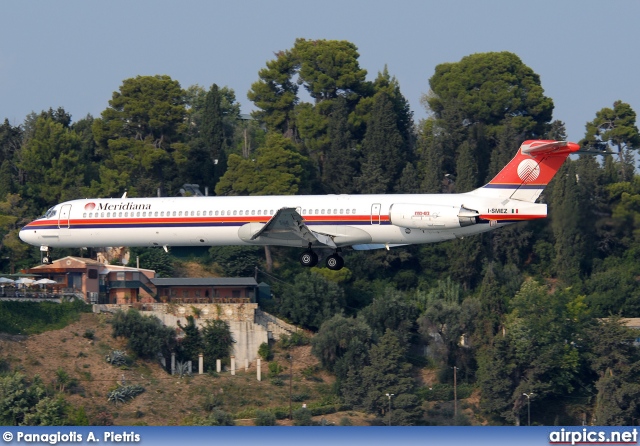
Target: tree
[278,169]
[616,361]
[615,128]
[391,311]
[152,258]
[342,343]
[475,97]
[382,149]
[135,135]
[218,342]
[566,225]
[50,162]
[311,300]
[275,94]
[340,163]
[387,372]
[191,345]
[146,335]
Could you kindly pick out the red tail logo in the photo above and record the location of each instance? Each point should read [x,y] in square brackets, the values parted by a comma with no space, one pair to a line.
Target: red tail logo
[533,167]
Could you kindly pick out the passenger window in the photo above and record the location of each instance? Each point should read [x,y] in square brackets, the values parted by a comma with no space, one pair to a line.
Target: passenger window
[198,213]
[137,214]
[119,214]
[84,215]
[347,211]
[322,211]
[353,211]
[240,212]
[174,213]
[271,211]
[253,212]
[156,214]
[216,213]
[108,214]
[259,212]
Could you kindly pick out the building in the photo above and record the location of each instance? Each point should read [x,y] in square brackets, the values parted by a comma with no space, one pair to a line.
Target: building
[97,282]
[207,290]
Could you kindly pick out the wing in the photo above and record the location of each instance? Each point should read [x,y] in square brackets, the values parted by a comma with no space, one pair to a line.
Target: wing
[286,227]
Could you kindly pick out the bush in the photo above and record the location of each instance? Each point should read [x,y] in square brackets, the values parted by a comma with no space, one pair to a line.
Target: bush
[274,369]
[265,418]
[302,417]
[265,351]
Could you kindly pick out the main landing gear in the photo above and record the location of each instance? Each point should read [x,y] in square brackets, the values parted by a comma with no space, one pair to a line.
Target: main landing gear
[309,259]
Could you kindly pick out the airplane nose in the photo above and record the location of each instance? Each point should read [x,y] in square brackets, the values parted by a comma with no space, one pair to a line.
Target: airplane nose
[28,235]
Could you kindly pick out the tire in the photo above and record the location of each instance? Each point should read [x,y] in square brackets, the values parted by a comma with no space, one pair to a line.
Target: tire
[308,259]
[335,262]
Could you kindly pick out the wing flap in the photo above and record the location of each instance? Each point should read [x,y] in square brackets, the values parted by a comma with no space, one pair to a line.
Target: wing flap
[286,227]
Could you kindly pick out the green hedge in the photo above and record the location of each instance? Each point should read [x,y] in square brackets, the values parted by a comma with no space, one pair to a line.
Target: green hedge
[37,317]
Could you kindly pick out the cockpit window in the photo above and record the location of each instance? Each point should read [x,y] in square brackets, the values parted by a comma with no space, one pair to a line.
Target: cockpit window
[50,213]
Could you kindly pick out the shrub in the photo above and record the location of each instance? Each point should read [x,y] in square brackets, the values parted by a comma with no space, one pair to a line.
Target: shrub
[265,351]
[265,418]
[302,417]
[274,369]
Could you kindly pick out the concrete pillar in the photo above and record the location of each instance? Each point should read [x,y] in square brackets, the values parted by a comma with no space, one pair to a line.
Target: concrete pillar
[259,371]
[246,365]
[218,365]
[200,364]
[233,365]
[173,363]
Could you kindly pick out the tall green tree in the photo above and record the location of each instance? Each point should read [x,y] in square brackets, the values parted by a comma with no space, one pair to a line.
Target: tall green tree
[137,133]
[615,129]
[382,149]
[51,164]
[277,169]
[275,94]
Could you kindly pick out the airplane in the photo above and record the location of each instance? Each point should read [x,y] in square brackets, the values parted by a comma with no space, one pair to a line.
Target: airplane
[311,222]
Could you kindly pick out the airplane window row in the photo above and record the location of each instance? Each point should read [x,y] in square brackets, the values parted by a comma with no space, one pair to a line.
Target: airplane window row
[211,213]
[328,211]
[175,213]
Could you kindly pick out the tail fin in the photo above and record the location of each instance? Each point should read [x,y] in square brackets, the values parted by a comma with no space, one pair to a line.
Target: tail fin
[527,174]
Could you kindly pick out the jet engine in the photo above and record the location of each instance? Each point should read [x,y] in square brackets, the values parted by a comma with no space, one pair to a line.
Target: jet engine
[427,216]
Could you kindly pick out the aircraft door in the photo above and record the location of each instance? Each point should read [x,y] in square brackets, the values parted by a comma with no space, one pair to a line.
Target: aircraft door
[63,217]
[375,214]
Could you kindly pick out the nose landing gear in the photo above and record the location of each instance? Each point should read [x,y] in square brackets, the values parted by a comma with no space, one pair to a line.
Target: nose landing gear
[44,255]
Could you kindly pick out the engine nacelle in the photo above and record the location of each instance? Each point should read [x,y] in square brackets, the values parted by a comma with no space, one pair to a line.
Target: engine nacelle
[428,216]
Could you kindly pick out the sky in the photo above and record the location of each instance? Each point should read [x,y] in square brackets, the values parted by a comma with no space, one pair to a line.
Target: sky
[75,54]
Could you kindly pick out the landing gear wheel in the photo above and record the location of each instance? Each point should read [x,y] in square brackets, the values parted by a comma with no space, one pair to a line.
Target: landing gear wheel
[308,258]
[335,262]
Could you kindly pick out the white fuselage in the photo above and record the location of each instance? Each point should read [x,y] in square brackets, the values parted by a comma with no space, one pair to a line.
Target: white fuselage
[362,221]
